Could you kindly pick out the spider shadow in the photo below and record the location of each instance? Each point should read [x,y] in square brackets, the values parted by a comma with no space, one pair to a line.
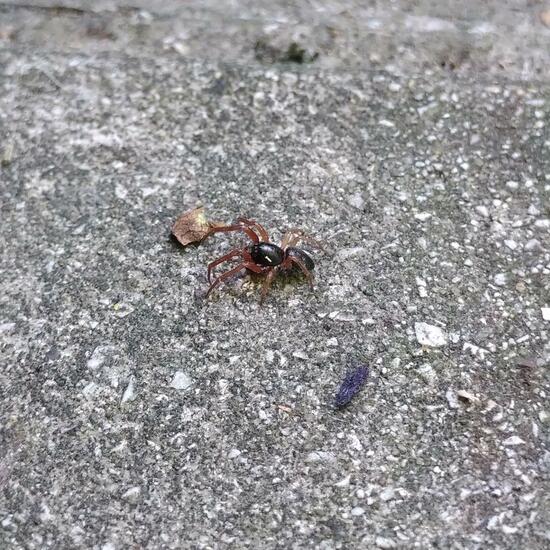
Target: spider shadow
[249,284]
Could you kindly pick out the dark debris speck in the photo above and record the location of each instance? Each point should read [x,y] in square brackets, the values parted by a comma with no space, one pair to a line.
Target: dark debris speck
[295,53]
[352,384]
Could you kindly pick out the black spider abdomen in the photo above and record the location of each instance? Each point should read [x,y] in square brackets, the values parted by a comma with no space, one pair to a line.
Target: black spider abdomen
[267,254]
[301,255]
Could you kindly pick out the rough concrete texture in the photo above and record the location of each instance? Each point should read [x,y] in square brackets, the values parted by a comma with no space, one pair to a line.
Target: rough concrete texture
[134,414]
[498,37]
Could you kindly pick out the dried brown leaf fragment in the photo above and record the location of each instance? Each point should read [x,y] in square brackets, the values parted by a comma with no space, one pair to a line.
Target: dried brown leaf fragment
[193,226]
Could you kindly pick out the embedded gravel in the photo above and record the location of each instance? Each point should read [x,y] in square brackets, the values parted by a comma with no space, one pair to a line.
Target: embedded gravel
[135,414]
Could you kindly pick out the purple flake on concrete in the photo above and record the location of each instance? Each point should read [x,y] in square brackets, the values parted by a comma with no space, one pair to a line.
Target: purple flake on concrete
[351,385]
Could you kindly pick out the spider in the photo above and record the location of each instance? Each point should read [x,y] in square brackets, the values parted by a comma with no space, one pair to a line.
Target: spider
[262,256]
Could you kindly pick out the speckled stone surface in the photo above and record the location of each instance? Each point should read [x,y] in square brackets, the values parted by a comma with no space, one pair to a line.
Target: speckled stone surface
[135,414]
[503,38]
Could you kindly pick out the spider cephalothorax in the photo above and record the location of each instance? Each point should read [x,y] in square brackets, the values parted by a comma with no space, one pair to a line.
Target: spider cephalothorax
[262,256]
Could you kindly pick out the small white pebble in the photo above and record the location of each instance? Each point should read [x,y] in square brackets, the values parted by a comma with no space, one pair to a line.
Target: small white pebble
[128,394]
[332,342]
[387,494]
[357,511]
[451,397]
[422,216]
[121,192]
[513,440]
[383,542]
[482,211]
[181,381]
[429,335]
[233,453]
[46,514]
[343,482]
[345,253]
[5,327]
[132,493]
[357,201]
[512,245]
[533,244]
[500,279]
[148,191]
[545,313]
[90,389]
[355,442]
[96,359]
[320,456]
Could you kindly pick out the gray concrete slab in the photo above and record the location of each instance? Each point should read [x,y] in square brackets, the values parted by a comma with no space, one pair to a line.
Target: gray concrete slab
[135,414]
[497,37]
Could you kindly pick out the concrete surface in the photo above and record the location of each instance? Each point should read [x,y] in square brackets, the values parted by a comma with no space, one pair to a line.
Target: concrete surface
[497,37]
[135,415]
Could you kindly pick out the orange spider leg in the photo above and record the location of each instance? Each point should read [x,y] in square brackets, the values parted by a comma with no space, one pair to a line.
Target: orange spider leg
[235,227]
[228,256]
[244,265]
[293,236]
[267,283]
[293,259]
[254,224]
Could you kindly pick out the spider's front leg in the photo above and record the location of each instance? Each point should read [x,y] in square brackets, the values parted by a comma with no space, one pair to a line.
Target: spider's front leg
[301,264]
[235,252]
[244,265]
[301,259]
[257,227]
[243,252]
[235,227]
[293,236]
[267,283]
